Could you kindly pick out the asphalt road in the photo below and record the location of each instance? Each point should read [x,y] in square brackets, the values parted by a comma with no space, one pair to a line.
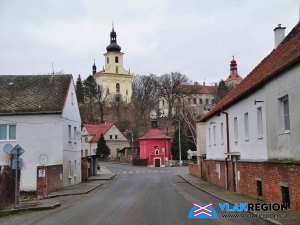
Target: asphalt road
[137,195]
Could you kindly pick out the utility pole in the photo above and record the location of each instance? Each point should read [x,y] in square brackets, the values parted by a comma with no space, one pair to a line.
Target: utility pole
[179,143]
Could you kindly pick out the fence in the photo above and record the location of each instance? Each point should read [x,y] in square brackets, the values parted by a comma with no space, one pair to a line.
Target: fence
[184,162]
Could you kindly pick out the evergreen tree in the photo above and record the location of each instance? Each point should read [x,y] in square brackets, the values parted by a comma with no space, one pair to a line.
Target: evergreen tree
[102,147]
[222,91]
[175,145]
[79,90]
[90,92]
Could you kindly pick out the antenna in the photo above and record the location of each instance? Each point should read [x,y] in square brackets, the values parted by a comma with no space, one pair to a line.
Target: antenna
[52,69]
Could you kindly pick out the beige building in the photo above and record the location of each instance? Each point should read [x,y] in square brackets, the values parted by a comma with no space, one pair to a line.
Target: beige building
[114,137]
[113,77]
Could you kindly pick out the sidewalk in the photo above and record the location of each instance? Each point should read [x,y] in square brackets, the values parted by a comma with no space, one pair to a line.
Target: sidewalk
[233,197]
[49,202]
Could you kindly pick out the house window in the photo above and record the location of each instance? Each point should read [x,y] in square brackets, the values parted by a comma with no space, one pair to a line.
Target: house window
[206,101]
[75,168]
[107,60]
[116,59]
[75,141]
[117,87]
[259,123]
[8,132]
[195,101]
[69,169]
[200,101]
[235,123]
[213,101]
[69,130]
[286,114]
[214,130]
[81,152]
[110,136]
[86,139]
[72,100]
[222,134]
[86,152]
[209,137]
[246,121]
[117,69]
[116,136]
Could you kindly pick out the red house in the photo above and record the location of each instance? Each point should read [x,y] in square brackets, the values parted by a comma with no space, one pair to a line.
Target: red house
[155,146]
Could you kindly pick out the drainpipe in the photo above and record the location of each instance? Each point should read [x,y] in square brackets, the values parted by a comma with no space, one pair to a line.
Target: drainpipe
[227,138]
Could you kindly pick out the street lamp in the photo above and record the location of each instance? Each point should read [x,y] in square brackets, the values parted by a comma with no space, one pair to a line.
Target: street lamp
[179,143]
[131,141]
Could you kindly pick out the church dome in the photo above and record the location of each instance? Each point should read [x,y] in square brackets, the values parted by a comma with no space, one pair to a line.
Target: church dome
[113,46]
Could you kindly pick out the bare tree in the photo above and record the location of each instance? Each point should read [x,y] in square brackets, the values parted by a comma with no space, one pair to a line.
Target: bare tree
[101,97]
[144,93]
[168,86]
[116,101]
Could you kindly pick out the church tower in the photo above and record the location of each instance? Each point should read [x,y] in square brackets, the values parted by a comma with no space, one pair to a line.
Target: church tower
[94,68]
[114,78]
[234,78]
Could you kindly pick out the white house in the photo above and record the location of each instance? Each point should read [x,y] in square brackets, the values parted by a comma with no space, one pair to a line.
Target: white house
[259,155]
[40,113]
[113,135]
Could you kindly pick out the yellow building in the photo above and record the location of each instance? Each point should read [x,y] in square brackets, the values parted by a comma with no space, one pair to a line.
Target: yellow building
[114,78]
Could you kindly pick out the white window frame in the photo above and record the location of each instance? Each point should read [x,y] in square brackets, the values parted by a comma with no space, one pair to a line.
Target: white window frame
[75,168]
[70,133]
[236,132]
[222,133]
[209,138]
[7,132]
[214,131]
[286,115]
[246,123]
[69,169]
[260,131]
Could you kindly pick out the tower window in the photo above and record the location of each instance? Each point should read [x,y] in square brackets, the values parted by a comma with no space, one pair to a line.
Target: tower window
[116,59]
[118,88]
[117,69]
[107,60]
[200,101]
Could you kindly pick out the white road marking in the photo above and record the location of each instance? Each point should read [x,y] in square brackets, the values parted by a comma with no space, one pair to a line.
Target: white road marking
[130,172]
[149,171]
[162,171]
[124,172]
[155,171]
[137,171]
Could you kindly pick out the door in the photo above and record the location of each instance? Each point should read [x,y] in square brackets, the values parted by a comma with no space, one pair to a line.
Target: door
[157,162]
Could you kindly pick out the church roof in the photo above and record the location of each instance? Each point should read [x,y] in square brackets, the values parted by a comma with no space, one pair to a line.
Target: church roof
[285,55]
[38,94]
[154,133]
[196,89]
[98,74]
[234,76]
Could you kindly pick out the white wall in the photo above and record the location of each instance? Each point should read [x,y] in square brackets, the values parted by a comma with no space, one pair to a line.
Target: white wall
[71,150]
[36,134]
[284,145]
[255,148]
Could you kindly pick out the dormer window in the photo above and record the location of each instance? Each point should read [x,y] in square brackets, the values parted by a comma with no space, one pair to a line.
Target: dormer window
[116,59]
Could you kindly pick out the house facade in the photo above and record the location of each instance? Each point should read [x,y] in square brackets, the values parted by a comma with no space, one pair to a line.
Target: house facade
[40,113]
[113,77]
[250,140]
[113,135]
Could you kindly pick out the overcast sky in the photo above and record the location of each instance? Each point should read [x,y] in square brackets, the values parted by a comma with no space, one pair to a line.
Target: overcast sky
[194,37]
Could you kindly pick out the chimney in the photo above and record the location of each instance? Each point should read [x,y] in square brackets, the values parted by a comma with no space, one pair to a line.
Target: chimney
[203,83]
[196,83]
[279,33]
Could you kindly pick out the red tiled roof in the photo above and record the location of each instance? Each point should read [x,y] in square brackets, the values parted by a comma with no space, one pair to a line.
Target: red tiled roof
[285,55]
[97,129]
[154,133]
[195,89]
[234,77]
[98,74]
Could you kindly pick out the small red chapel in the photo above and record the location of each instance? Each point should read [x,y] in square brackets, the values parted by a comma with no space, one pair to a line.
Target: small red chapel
[155,146]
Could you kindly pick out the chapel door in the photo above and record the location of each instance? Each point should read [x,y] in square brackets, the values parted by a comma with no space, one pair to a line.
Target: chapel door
[157,162]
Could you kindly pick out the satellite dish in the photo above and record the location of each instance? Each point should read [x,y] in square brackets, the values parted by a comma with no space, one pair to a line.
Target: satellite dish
[77,135]
[7,148]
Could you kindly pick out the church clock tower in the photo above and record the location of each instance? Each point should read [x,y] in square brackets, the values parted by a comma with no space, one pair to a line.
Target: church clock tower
[114,77]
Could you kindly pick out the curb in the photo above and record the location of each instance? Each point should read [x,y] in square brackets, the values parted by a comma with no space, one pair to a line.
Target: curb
[269,220]
[14,211]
